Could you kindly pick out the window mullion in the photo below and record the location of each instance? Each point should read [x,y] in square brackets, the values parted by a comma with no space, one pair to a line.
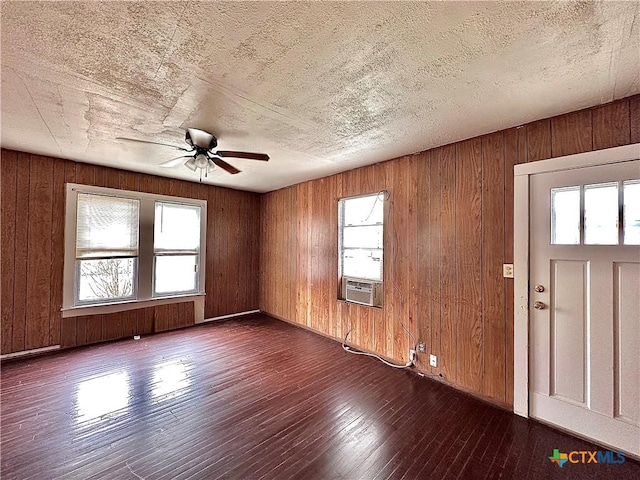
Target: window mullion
[145,259]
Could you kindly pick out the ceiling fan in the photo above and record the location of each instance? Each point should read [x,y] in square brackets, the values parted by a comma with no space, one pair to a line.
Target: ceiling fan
[202,155]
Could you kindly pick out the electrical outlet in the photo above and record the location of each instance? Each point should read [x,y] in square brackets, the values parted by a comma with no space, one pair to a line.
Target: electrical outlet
[507,270]
[433,360]
[422,347]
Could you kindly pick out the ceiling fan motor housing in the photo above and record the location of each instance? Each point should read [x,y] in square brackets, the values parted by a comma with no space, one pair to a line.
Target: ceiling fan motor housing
[200,139]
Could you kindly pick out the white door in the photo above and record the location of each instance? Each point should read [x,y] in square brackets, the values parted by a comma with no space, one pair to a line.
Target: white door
[584,296]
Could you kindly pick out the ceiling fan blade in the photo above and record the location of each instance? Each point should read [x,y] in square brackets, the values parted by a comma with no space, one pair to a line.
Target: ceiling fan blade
[174,162]
[153,143]
[225,166]
[249,155]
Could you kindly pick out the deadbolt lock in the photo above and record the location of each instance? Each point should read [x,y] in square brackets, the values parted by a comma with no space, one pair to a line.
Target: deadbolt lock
[539,288]
[539,305]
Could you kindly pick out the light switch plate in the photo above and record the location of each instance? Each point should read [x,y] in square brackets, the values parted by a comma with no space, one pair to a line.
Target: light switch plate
[507,270]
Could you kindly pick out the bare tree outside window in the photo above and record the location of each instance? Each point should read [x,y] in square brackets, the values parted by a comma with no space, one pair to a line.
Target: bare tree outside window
[106,278]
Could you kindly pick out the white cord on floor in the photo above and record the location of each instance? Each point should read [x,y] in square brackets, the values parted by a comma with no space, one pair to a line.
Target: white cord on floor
[356,352]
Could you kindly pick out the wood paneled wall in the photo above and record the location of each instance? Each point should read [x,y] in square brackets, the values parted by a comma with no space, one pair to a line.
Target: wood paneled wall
[89,329]
[32,252]
[448,230]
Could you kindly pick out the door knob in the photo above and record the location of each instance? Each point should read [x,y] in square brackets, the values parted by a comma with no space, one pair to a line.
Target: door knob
[539,305]
[539,288]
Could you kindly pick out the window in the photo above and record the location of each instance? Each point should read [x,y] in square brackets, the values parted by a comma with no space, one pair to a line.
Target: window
[126,246]
[598,214]
[106,248]
[631,209]
[361,236]
[565,216]
[176,248]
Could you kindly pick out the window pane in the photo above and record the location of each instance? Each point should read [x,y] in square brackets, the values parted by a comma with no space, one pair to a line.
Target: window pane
[601,214]
[106,226]
[364,210]
[362,263]
[106,279]
[363,237]
[565,216]
[632,212]
[177,227]
[175,274]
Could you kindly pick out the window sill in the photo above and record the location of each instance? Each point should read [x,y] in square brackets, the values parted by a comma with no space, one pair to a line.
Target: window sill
[78,311]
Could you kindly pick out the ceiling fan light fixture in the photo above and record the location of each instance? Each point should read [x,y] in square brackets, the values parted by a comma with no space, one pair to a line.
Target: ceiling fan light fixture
[201,160]
[191,164]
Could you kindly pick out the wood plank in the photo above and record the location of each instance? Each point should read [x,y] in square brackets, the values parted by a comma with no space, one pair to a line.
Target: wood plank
[253,250]
[302,268]
[511,159]
[634,118]
[523,153]
[145,183]
[611,125]
[8,193]
[85,174]
[130,323]
[20,292]
[145,321]
[435,262]
[213,228]
[57,249]
[130,180]
[81,330]
[161,318]
[189,314]
[411,239]
[94,325]
[470,328]
[448,361]
[327,251]
[317,199]
[391,299]
[493,285]
[539,140]
[571,133]
[176,318]
[68,329]
[425,287]
[39,253]
[111,326]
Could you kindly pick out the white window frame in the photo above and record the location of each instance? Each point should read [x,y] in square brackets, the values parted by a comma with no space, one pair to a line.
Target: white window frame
[145,264]
[341,249]
[178,252]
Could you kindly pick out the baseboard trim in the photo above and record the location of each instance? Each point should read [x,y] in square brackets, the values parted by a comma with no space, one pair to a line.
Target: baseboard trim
[28,353]
[226,317]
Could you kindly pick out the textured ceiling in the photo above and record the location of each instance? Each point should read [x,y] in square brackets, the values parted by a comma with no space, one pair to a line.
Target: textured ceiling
[320,87]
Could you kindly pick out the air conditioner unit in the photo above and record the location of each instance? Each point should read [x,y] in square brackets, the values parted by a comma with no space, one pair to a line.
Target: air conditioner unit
[365,292]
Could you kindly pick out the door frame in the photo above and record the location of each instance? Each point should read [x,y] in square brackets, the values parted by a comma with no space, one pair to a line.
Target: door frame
[522,173]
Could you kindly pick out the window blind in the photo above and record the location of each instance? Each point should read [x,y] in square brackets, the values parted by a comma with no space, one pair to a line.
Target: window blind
[106,226]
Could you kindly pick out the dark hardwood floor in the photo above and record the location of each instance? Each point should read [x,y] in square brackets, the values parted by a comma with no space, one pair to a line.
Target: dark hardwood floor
[258,398]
